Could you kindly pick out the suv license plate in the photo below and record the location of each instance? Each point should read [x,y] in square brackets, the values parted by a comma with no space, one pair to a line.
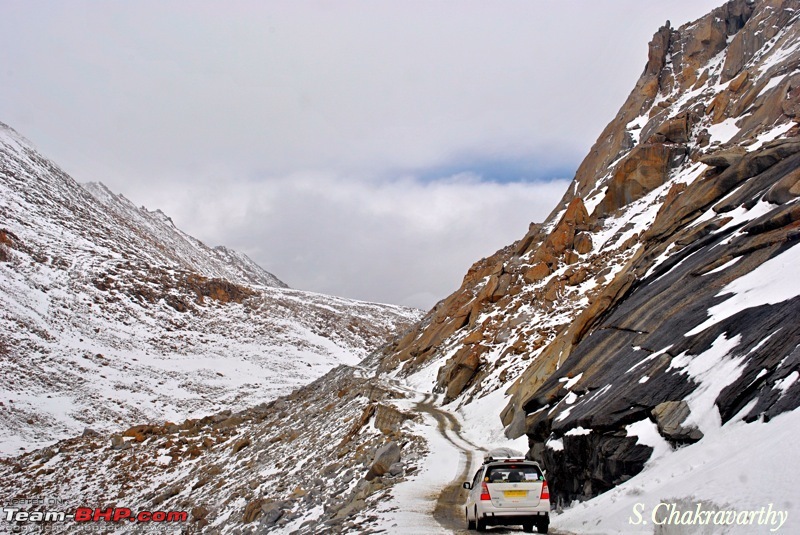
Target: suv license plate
[515,493]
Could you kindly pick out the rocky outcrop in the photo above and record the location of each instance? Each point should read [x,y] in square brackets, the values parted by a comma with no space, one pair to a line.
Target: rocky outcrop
[669,417]
[385,457]
[459,370]
[646,167]
[217,289]
[388,419]
[593,463]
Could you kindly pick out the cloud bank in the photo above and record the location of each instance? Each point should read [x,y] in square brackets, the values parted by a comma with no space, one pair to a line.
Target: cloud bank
[404,241]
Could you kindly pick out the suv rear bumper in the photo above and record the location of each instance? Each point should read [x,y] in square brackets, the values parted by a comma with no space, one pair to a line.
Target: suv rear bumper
[499,518]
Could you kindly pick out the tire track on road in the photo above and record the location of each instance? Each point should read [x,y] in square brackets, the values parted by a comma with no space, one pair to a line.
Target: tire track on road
[448,512]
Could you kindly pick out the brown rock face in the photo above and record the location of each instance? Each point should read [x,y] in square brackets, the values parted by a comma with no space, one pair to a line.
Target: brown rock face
[724,158]
[786,189]
[562,238]
[744,45]
[8,240]
[217,289]
[537,272]
[583,243]
[252,510]
[459,371]
[645,168]
[385,457]
[674,130]
[388,419]
[657,51]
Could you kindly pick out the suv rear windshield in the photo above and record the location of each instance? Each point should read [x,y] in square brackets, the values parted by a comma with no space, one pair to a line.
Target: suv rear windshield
[512,473]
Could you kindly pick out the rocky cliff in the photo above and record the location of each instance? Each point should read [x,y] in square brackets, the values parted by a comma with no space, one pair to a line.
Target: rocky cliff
[660,292]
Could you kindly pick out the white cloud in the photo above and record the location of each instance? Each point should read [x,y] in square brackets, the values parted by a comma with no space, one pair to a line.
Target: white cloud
[402,241]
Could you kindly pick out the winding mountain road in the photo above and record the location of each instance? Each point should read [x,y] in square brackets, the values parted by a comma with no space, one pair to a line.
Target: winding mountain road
[449,510]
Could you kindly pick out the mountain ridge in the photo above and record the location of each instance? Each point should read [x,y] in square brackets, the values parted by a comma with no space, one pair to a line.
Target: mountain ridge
[94,286]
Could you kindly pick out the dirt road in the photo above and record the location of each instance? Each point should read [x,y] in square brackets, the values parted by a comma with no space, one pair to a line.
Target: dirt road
[449,511]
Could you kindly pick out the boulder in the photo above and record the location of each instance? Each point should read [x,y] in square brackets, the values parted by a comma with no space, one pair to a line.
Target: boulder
[252,510]
[502,287]
[385,457]
[388,419]
[669,417]
[119,443]
[722,159]
[583,242]
[459,370]
[675,130]
[474,337]
[90,433]
[791,104]
[577,277]
[396,469]
[537,272]
[562,238]
[271,512]
[553,290]
[785,189]
[199,513]
[240,445]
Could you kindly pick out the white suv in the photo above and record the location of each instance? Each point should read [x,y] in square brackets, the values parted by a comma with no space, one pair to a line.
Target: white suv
[508,491]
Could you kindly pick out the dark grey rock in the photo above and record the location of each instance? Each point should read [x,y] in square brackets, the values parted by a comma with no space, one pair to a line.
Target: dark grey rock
[669,417]
[396,469]
[271,512]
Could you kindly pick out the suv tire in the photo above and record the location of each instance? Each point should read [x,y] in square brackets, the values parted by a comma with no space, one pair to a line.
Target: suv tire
[470,523]
[542,526]
[480,524]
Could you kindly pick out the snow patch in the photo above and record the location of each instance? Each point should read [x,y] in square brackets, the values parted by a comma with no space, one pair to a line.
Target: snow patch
[770,283]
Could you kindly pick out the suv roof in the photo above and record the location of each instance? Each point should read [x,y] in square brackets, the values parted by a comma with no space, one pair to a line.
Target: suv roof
[487,460]
[503,454]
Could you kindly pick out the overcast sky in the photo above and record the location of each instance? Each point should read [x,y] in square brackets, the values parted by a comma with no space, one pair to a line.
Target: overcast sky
[365,149]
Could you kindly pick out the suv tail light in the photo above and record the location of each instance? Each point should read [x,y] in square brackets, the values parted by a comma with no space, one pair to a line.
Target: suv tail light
[485,492]
[545,491]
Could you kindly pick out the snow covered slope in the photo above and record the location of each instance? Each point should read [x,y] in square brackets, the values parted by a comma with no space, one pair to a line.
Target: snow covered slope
[110,315]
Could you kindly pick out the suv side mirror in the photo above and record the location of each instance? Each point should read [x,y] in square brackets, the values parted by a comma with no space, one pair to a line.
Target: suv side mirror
[467,486]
